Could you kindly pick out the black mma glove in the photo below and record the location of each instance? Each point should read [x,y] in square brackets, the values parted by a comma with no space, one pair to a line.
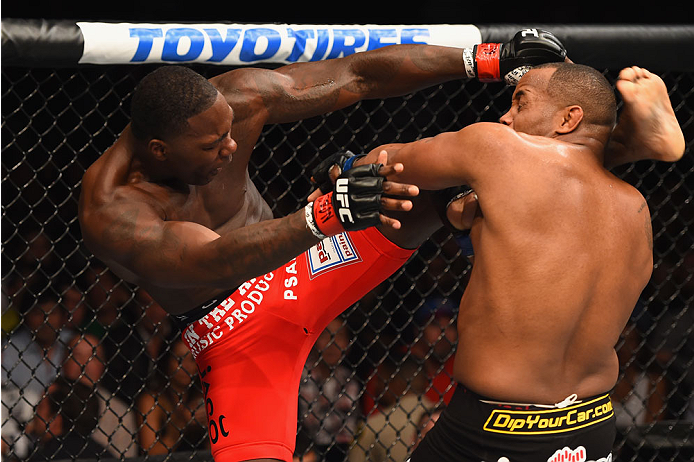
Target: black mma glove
[442,199]
[321,172]
[493,62]
[354,204]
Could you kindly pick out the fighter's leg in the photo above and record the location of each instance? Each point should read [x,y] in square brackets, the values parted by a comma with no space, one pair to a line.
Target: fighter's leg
[647,127]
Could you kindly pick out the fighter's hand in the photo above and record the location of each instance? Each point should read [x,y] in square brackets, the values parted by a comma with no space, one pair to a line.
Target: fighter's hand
[326,172]
[461,212]
[509,61]
[358,198]
[457,208]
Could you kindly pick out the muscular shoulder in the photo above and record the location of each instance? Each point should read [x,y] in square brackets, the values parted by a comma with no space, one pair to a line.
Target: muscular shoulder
[106,185]
[245,90]
[106,217]
[489,148]
[493,139]
[631,196]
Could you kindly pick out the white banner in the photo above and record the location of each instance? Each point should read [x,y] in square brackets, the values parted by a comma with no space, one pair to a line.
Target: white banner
[243,44]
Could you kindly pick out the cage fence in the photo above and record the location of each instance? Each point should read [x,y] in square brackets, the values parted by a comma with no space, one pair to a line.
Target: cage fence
[78,341]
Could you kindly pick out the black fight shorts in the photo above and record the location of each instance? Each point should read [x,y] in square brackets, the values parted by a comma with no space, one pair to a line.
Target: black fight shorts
[473,429]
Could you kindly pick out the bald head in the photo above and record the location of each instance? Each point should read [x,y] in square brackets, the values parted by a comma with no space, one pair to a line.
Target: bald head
[576,84]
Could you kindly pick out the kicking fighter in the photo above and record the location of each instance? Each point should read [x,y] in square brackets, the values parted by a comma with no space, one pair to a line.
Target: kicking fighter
[171,207]
[563,249]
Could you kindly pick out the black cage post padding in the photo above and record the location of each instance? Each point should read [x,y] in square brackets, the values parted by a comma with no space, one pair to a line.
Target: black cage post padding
[41,43]
[605,46]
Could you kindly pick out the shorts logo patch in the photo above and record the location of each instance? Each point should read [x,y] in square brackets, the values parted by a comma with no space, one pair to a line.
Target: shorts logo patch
[575,455]
[534,422]
[331,253]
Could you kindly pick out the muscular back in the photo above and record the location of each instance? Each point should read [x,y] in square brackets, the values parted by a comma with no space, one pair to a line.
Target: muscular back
[562,252]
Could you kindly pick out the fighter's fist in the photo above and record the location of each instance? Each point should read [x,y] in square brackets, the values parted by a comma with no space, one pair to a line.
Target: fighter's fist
[335,164]
[354,204]
[511,60]
[358,197]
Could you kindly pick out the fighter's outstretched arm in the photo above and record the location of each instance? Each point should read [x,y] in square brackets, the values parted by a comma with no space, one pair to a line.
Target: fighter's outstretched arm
[304,90]
[648,128]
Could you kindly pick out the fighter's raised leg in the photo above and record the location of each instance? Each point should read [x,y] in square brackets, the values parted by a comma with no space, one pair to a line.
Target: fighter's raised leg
[647,127]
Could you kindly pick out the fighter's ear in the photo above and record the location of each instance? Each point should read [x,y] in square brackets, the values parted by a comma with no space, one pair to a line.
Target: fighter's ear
[571,116]
[158,148]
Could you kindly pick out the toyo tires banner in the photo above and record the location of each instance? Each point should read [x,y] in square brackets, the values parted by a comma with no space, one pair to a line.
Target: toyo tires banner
[66,43]
[242,44]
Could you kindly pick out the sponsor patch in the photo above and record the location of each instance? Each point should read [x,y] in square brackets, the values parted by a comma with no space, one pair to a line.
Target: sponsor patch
[575,455]
[331,253]
[550,421]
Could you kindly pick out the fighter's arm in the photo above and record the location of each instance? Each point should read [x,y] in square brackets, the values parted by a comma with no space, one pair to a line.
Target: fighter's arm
[129,231]
[134,236]
[303,90]
[468,156]
[471,156]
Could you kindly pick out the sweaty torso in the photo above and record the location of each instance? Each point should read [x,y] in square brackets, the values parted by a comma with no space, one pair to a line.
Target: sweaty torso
[562,253]
[230,201]
[226,208]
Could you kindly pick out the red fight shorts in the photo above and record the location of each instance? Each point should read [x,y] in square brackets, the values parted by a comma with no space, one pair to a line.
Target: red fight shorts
[251,348]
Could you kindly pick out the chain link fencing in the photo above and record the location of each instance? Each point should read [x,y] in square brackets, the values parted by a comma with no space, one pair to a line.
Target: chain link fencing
[376,375]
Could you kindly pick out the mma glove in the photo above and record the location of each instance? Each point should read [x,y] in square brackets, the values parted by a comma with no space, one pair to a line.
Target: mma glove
[353,204]
[509,61]
[442,199]
[343,160]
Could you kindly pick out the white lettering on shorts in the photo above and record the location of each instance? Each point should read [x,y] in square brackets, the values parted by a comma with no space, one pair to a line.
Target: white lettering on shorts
[226,314]
[331,253]
[290,281]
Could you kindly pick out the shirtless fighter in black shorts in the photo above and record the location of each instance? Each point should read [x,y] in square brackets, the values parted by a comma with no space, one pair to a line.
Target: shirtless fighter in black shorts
[563,249]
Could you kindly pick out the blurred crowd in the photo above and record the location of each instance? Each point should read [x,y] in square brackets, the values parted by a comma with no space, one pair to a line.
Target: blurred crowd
[93,368]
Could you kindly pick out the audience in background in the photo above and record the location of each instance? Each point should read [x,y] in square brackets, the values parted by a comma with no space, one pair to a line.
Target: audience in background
[76,308]
[171,413]
[433,340]
[31,356]
[388,434]
[116,427]
[64,420]
[640,393]
[435,348]
[34,264]
[32,353]
[115,315]
[426,423]
[671,343]
[153,326]
[328,396]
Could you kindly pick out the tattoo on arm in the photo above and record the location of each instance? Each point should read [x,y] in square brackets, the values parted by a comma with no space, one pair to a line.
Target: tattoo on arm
[143,241]
[122,229]
[648,226]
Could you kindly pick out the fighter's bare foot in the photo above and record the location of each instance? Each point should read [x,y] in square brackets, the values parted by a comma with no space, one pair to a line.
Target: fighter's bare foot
[647,126]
